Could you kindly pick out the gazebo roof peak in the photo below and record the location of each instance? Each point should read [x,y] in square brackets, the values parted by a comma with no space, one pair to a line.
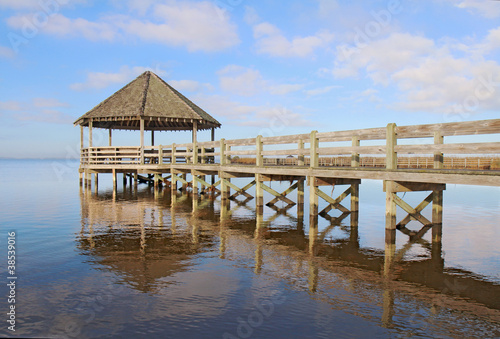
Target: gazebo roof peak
[151,99]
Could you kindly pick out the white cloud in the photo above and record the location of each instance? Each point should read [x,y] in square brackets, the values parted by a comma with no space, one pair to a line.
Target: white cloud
[248,82]
[487,8]
[492,41]
[62,26]
[6,52]
[251,16]
[37,4]
[38,109]
[266,117]
[429,77]
[285,89]
[19,4]
[48,102]
[241,80]
[327,7]
[271,41]
[320,90]
[99,80]
[197,26]
[189,85]
[10,106]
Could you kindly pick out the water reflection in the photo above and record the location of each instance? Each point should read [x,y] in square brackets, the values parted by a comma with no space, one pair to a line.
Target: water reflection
[147,236]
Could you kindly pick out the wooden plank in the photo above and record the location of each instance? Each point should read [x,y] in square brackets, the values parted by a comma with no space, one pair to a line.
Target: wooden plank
[391,158]
[240,152]
[407,186]
[363,134]
[355,153]
[314,145]
[452,128]
[320,181]
[259,161]
[301,152]
[462,148]
[285,139]
[241,142]
[178,178]
[350,150]
[222,146]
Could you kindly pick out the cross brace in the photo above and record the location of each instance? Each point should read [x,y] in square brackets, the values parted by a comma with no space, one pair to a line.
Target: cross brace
[413,213]
[242,191]
[333,203]
[279,196]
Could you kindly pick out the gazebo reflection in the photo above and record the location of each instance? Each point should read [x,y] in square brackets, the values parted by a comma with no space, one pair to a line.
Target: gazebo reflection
[140,240]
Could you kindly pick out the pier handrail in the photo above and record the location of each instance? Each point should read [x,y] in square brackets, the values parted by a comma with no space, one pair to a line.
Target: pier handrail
[341,148]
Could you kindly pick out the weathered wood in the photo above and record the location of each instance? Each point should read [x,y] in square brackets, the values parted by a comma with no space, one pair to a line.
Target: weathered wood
[90,133]
[407,186]
[363,134]
[178,178]
[222,147]
[319,181]
[314,145]
[451,128]
[284,194]
[390,211]
[391,158]
[276,194]
[259,192]
[355,154]
[411,211]
[437,217]
[285,139]
[259,161]
[417,209]
[174,150]
[332,201]
[470,148]
[240,142]
[301,153]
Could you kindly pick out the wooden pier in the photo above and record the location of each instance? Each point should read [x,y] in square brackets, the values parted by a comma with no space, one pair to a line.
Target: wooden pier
[300,160]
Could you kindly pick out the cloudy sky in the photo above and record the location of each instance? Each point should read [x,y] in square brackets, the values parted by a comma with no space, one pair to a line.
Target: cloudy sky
[260,67]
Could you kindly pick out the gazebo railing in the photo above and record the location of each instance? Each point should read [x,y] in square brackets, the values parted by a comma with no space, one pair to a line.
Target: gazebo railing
[123,155]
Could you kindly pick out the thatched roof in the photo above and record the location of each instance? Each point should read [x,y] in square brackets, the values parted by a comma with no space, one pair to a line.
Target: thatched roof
[150,98]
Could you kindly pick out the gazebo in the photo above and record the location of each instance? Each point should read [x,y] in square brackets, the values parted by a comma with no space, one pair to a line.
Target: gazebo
[147,104]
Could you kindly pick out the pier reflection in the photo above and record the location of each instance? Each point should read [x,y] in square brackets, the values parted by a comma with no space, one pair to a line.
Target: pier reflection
[145,236]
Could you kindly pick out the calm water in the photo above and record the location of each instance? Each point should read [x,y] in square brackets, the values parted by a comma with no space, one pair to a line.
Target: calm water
[134,266]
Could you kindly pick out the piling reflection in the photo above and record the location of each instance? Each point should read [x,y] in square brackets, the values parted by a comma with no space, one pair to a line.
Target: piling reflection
[145,236]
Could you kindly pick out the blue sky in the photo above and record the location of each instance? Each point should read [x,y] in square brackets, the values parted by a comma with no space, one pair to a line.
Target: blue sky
[259,67]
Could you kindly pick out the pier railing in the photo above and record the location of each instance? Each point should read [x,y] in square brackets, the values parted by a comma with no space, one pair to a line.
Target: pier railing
[392,147]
